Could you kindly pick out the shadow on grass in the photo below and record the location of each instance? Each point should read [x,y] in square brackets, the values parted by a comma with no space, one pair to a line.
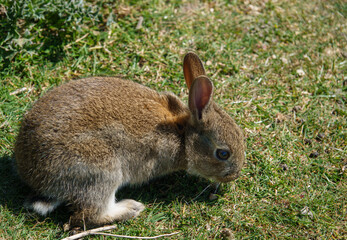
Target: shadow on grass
[175,187]
[12,190]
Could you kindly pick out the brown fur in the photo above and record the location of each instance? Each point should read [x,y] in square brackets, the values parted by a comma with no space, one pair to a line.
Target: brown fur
[85,139]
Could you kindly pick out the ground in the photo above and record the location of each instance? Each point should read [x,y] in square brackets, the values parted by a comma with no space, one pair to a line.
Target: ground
[279,69]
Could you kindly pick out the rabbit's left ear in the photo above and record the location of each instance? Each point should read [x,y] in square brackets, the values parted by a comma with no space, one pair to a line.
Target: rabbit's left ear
[200,95]
[192,68]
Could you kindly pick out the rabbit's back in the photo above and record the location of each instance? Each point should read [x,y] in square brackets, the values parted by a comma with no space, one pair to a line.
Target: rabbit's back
[92,103]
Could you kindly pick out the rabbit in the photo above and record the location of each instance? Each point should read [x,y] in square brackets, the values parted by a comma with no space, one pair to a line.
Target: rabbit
[84,140]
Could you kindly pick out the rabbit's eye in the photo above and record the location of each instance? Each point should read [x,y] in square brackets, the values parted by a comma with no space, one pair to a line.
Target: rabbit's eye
[222,154]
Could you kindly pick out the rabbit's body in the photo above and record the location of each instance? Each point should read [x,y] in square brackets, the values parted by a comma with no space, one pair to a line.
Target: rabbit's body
[89,122]
[85,139]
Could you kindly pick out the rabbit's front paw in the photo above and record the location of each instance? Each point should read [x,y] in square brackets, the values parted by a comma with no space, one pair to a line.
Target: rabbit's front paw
[130,208]
[122,210]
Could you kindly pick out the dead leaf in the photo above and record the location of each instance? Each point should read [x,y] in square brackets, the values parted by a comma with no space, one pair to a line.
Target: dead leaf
[280,117]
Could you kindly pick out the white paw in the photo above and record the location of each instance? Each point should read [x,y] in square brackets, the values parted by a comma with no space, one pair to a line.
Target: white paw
[133,208]
[123,210]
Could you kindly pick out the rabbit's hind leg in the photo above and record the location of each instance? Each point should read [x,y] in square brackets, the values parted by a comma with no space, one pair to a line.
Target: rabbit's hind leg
[42,205]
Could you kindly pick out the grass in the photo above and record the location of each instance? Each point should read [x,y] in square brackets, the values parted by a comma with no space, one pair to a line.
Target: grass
[279,68]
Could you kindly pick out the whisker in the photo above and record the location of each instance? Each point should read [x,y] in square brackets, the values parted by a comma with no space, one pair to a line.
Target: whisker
[201,192]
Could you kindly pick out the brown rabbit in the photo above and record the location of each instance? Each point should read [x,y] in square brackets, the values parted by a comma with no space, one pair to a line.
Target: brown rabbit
[84,140]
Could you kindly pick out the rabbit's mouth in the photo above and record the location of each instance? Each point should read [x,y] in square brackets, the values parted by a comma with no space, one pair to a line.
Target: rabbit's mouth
[224,178]
[228,177]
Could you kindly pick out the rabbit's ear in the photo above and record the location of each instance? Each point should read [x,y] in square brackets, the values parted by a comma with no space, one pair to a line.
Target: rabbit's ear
[200,95]
[192,68]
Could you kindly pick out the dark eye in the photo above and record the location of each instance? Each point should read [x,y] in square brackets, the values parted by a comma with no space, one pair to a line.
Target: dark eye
[179,127]
[222,154]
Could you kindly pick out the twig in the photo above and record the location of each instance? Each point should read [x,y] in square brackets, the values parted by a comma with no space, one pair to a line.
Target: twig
[95,47]
[242,101]
[4,124]
[139,23]
[97,231]
[329,179]
[337,149]
[90,232]
[158,72]
[23,89]
[78,40]
[216,73]
[133,237]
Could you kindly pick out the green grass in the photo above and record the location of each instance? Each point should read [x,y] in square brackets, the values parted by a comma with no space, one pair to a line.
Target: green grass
[279,68]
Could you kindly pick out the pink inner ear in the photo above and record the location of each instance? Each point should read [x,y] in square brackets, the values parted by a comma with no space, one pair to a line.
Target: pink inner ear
[202,91]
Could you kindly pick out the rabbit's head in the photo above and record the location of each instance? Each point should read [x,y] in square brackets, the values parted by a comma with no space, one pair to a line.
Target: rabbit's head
[214,143]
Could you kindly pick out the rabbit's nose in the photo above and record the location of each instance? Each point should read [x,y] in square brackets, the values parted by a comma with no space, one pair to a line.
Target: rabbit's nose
[234,175]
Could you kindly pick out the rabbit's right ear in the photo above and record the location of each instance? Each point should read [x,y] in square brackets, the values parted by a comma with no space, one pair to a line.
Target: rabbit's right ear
[200,96]
[192,68]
